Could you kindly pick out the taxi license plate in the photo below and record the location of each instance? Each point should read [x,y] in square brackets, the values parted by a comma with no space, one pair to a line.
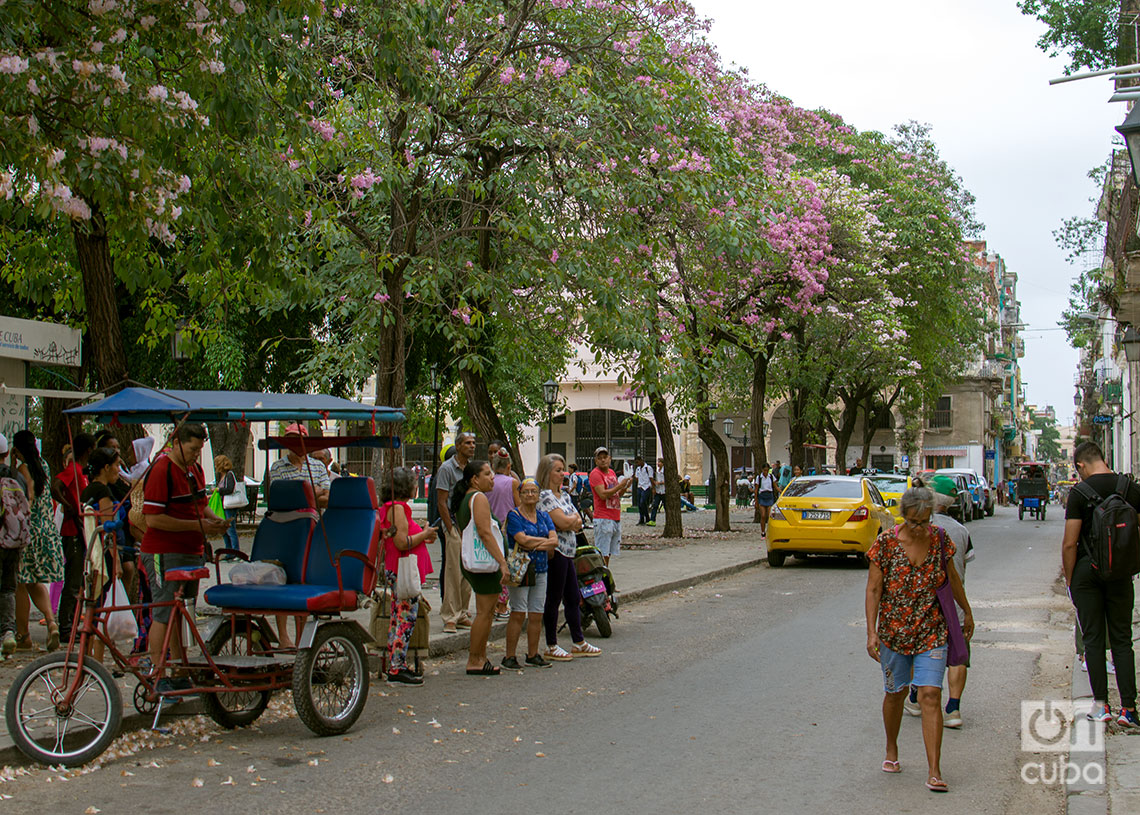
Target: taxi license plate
[817,515]
[597,587]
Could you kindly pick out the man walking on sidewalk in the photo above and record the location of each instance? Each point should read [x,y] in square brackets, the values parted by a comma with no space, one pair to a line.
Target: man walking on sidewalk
[456,590]
[1102,605]
[642,489]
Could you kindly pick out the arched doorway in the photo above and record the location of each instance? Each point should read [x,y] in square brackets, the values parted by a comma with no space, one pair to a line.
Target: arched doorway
[624,434]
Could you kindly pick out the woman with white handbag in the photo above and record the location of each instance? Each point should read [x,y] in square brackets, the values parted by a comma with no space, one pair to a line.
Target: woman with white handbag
[406,565]
[484,564]
[233,495]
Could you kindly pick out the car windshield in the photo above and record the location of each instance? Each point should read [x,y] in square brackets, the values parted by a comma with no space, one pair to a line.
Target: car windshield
[824,488]
[889,484]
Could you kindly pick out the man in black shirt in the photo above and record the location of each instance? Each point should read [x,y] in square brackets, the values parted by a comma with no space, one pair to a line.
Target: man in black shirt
[1101,605]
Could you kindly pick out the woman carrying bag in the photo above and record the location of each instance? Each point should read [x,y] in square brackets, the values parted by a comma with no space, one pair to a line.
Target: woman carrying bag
[233,498]
[406,565]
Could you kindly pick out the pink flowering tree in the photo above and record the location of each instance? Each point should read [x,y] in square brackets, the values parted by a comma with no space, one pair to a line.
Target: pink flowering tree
[105,106]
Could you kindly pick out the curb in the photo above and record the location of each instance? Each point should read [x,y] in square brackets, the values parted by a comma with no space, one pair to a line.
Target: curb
[439,647]
[1082,798]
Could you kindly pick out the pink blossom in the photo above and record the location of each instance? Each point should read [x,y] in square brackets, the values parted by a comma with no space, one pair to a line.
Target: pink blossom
[323,129]
[238,7]
[560,67]
[381,297]
[157,93]
[507,75]
[554,256]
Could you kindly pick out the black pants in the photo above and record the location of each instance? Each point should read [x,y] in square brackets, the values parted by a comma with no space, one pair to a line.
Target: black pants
[1105,607]
[74,554]
[643,502]
[562,590]
[655,504]
[9,567]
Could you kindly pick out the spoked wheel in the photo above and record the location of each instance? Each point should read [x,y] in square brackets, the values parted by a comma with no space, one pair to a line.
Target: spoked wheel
[330,680]
[235,708]
[50,732]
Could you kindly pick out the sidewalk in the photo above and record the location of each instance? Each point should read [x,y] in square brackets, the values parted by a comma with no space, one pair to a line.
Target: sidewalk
[1118,757]
[649,567]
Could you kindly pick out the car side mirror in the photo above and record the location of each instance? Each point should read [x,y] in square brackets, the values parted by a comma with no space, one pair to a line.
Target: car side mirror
[891,502]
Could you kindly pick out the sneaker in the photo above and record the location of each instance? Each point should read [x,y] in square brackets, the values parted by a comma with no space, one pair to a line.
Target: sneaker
[1127,718]
[1100,712]
[1084,665]
[183,683]
[651,523]
[511,664]
[537,661]
[502,615]
[8,645]
[404,677]
[953,719]
[911,708]
[166,686]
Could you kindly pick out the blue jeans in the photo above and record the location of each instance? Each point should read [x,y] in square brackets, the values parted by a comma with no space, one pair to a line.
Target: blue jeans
[928,668]
[230,537]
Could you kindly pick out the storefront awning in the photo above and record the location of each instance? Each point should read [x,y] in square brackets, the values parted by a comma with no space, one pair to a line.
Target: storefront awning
[944,451]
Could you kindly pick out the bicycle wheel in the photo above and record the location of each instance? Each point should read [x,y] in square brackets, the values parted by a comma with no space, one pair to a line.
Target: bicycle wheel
[235,708]
[47,731]
[330,680]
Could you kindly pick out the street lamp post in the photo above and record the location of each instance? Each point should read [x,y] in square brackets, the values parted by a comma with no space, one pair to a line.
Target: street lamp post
[436,388]
[1130,130]
[637,402]
[729,425]
[550,396]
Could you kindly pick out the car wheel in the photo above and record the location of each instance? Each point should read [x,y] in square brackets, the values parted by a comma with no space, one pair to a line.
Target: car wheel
[776,559]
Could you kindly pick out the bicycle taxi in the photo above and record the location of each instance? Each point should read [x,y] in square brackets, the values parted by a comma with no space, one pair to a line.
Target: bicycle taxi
[65,708]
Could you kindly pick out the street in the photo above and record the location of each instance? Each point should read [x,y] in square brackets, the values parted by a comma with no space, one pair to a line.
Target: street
[750,693]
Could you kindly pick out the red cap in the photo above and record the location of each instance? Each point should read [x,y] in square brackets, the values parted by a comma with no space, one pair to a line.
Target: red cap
[296,429]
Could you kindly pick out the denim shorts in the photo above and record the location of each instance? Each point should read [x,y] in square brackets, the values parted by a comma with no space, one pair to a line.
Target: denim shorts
[529,599]
[607,536]
[927,669]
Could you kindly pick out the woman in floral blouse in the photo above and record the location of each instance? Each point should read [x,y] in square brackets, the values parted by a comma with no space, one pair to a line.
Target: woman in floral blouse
[906,632]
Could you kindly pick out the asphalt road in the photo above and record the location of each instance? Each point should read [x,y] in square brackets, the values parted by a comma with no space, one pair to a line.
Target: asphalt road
[752,693]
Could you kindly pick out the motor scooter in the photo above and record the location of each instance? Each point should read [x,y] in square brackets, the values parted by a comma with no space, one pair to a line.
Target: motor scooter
[596,586]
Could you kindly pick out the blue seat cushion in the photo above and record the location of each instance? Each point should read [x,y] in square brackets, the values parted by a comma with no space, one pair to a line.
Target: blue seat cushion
[304,598]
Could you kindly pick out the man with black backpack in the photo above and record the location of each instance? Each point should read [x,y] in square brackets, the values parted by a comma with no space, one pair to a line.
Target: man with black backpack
[1100,554]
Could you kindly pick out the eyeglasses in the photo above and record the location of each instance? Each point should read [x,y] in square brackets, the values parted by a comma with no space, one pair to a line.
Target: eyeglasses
[918,523]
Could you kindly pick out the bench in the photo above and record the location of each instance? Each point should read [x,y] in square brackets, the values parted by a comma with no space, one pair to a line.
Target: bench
[328,560]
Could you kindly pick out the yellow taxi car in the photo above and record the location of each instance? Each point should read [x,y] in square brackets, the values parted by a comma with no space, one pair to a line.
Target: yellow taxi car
[892,486]
[827,515]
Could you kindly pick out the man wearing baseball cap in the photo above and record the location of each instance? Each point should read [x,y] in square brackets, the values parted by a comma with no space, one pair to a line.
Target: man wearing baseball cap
[607,491]
[296,467]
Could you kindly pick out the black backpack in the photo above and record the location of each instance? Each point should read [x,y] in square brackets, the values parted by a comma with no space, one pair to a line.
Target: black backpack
[1113,539]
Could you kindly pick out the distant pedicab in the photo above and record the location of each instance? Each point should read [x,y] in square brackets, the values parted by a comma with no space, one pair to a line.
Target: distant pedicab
[65,708]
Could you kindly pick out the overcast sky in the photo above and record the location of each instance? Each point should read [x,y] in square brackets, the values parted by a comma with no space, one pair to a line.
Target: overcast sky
[971,69]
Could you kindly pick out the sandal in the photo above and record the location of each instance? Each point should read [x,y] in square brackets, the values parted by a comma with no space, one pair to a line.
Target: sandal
[891,766]
[487,670]
[25,643]
[936,784]
[585,650]
[53,637]
[557,653]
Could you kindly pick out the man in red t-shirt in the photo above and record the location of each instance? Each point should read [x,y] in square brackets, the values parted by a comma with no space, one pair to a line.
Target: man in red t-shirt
[65,491]
[607,490]
[177,523]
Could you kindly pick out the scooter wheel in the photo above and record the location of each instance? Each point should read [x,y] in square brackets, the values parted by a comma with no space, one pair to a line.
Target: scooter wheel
[602,621]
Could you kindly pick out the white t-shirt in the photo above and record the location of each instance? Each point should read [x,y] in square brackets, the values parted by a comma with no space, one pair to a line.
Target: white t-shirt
[645,477]
[660,488]
[765,483]
[548,501]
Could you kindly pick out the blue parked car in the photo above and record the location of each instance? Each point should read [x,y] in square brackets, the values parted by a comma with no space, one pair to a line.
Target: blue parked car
[974,485]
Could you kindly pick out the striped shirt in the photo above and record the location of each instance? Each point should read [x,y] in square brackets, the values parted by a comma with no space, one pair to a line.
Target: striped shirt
[178,493]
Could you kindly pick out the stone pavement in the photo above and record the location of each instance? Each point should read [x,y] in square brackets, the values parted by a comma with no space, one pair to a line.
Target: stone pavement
[648,567]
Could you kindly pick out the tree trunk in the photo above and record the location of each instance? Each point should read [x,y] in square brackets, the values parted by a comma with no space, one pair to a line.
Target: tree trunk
[798,430]
[390,371]
[481,410]
[716,445]
[230,440]
[756,419]
[93,252]
[54,434]
[845,429]
[673,526]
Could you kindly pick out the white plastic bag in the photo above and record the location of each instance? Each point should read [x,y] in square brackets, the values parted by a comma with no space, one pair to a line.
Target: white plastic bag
[407,578]
[121,625]
[257,573]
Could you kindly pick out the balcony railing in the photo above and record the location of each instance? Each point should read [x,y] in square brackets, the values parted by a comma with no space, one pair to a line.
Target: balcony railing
[1113,392]
[939,419]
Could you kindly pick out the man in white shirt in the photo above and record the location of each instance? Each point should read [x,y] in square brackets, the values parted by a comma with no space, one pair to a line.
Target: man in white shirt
[644,475]
[658,491]
[294,467]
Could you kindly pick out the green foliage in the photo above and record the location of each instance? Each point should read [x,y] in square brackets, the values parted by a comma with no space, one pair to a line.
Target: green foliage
[1084,31]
